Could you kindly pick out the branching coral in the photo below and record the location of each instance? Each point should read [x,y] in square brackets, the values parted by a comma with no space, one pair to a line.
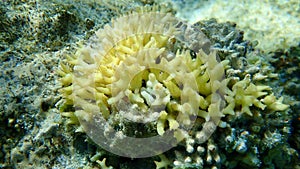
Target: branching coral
[150,74]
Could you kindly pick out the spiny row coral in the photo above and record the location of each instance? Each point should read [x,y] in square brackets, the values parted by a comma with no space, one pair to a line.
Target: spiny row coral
[151,68]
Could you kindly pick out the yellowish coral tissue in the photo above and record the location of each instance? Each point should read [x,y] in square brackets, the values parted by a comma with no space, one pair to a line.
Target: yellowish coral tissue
[150,70]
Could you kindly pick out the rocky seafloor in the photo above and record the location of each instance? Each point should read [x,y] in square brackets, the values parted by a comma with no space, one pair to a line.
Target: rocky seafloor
[36,35]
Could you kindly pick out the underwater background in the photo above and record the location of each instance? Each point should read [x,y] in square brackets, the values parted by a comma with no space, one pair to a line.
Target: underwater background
[259,38]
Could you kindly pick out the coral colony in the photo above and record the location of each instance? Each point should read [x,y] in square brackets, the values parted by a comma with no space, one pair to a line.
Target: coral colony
[151,79]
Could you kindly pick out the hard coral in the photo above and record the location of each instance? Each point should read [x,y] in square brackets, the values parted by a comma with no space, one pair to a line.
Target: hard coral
[152,69]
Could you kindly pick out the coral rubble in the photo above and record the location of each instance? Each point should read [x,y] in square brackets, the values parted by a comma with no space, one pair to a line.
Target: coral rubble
[274,24]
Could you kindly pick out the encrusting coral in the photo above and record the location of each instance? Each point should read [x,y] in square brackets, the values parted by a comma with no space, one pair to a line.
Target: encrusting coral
[153,69]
